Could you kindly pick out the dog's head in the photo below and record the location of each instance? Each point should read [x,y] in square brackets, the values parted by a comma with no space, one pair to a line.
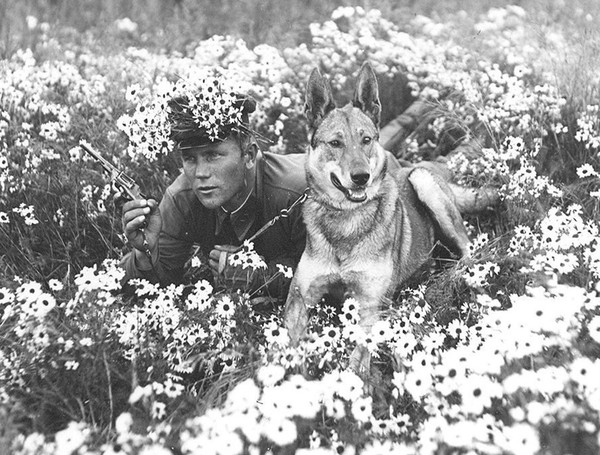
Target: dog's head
[345,163]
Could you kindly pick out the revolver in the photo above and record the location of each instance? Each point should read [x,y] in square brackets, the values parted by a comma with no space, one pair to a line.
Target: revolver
[121,180]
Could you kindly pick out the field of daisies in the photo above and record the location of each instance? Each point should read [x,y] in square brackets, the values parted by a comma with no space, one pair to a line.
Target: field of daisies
[497,353]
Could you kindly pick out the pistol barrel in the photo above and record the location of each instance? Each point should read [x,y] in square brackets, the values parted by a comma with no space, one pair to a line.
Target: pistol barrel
[122,180]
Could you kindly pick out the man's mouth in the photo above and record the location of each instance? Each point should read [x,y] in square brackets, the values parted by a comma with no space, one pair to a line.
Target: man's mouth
[352,194]
[205,189]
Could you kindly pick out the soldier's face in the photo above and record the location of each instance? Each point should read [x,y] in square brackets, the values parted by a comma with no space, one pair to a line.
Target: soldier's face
[217,172]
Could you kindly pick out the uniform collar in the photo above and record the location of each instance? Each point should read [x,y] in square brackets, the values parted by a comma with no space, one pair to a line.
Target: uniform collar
[243,220]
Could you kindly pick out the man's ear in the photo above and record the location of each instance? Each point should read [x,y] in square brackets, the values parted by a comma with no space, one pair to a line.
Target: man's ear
[250,155]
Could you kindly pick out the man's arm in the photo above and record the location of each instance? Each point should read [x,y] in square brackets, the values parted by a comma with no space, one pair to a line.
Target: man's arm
[169,253]
[167,263]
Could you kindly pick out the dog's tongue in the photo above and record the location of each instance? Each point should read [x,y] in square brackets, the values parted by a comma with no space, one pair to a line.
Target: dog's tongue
[358,195]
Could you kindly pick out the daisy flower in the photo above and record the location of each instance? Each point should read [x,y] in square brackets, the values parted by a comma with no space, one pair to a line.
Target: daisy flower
[41,337]
[29,291]
[228,362]
[521,438]
[276,335]
[362,409]
[457,329]
[270,374]
[381,331]
[405,345]
[44,304]
[55,285]
[346,384]
[87,279]
[281,431]
[6,296]
[287,272]
[330,337]
[477,392]
[584,372]
[71,438]
[586,170]
[593,328]
[225,307]
[159,410]
[350,312]
[418,383]
[243,396]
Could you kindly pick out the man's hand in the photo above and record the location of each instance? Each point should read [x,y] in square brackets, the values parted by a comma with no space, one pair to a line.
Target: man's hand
[234,277]
[142,214]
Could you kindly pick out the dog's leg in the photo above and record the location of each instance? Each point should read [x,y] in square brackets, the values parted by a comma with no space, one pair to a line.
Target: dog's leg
[368,287]
[310,283]
[439,200]
[296,312]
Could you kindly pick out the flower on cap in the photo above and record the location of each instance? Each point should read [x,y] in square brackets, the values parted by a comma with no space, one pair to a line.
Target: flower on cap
[210,112]
[186,112]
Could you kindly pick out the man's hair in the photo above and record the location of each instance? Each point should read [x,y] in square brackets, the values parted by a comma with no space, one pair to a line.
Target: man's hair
[243,138]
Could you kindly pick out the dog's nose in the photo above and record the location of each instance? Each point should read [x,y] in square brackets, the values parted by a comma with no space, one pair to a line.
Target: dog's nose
[360,179]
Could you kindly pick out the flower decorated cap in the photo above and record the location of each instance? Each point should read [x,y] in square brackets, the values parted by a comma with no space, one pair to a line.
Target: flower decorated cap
[186,112]
[208,114]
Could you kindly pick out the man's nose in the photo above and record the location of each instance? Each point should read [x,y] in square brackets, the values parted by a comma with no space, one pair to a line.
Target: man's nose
[202,171]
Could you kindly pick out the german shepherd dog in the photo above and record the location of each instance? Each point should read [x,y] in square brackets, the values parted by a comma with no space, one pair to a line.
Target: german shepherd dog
[371,223]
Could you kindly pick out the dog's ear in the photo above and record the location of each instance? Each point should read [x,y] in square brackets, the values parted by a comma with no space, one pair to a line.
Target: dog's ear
[366,94]
[319,100]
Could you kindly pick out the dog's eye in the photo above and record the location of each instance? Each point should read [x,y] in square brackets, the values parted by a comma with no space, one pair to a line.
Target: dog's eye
[367,140]
[335,143]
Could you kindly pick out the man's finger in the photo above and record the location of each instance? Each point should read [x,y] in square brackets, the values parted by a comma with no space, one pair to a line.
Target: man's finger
[214,255]
[228,248]
[222,262]
[218,261]
[135,204]
[133,214]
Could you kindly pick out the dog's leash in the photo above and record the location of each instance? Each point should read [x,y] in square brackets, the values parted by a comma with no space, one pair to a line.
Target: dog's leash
[283,213]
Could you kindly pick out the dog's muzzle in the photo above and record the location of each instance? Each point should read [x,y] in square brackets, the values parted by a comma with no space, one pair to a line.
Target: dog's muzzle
[358,194]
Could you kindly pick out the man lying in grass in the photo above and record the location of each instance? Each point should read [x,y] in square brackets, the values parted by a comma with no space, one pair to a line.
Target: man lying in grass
[228,189]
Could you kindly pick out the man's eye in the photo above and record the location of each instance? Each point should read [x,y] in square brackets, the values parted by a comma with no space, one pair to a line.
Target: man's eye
[367,140]
[189,158]
[335,143]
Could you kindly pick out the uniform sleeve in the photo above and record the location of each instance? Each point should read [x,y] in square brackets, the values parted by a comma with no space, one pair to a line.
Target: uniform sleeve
[174,247]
